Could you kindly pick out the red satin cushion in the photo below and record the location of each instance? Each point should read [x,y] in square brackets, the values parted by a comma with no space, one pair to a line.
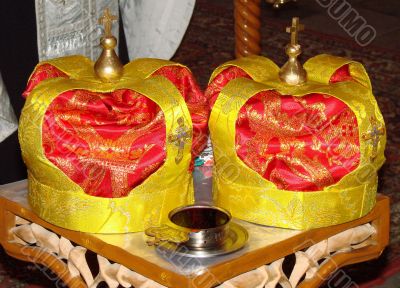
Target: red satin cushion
[298,143]
[108,143]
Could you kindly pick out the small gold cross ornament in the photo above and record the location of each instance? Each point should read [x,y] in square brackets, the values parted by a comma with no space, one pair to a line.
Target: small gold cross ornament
[106,20]
[108,68]
[294,30]
[293,73]
[182,135]
[374,136]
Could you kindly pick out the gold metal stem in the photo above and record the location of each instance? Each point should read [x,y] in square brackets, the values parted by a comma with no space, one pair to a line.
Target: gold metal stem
[108,67]
[292,72]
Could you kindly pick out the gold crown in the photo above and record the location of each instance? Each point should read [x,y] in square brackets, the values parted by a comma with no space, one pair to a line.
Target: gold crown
[301,147]
[108,148]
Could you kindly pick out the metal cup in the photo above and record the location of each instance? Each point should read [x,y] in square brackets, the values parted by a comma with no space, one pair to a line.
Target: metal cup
[208,225]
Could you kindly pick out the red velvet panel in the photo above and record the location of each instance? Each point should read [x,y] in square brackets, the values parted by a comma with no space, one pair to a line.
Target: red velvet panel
[109,143]
[299,143]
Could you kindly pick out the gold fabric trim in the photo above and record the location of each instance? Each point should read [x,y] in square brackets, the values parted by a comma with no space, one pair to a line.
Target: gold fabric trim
[55,197]
[236,187]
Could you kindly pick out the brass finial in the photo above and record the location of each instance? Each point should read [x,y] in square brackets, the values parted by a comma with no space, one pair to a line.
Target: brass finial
[108,67]
[293,72]
[106,20]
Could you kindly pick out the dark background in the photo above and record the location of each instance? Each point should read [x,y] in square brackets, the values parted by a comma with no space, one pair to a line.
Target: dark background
[18,56]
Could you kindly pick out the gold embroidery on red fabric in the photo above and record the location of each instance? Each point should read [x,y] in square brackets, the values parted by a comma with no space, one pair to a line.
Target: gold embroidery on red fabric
[150,169]
[113,154]
[102,155]
[337,137]
[345,132]
[49,70]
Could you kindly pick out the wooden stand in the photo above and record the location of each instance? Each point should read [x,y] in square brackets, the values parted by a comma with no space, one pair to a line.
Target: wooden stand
[27,237]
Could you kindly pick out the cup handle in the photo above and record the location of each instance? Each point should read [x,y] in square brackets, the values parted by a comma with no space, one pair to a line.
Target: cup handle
[166,233]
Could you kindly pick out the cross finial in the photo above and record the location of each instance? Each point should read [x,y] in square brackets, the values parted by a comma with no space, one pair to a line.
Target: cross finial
[182,135]
[374,136]
[294,30]
[292,72]
[108,67]
[106,20]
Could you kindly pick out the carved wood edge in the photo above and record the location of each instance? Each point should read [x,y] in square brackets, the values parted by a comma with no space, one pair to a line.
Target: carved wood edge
[97,246]
[42,257]
[33,254]
[381,223]
[379,218]
[338,261]
[31,242]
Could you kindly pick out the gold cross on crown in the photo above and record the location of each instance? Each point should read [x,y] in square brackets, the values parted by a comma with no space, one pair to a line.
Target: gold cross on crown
[294,30]
[106,20]
[182,135]
[293,73]
[374,136]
